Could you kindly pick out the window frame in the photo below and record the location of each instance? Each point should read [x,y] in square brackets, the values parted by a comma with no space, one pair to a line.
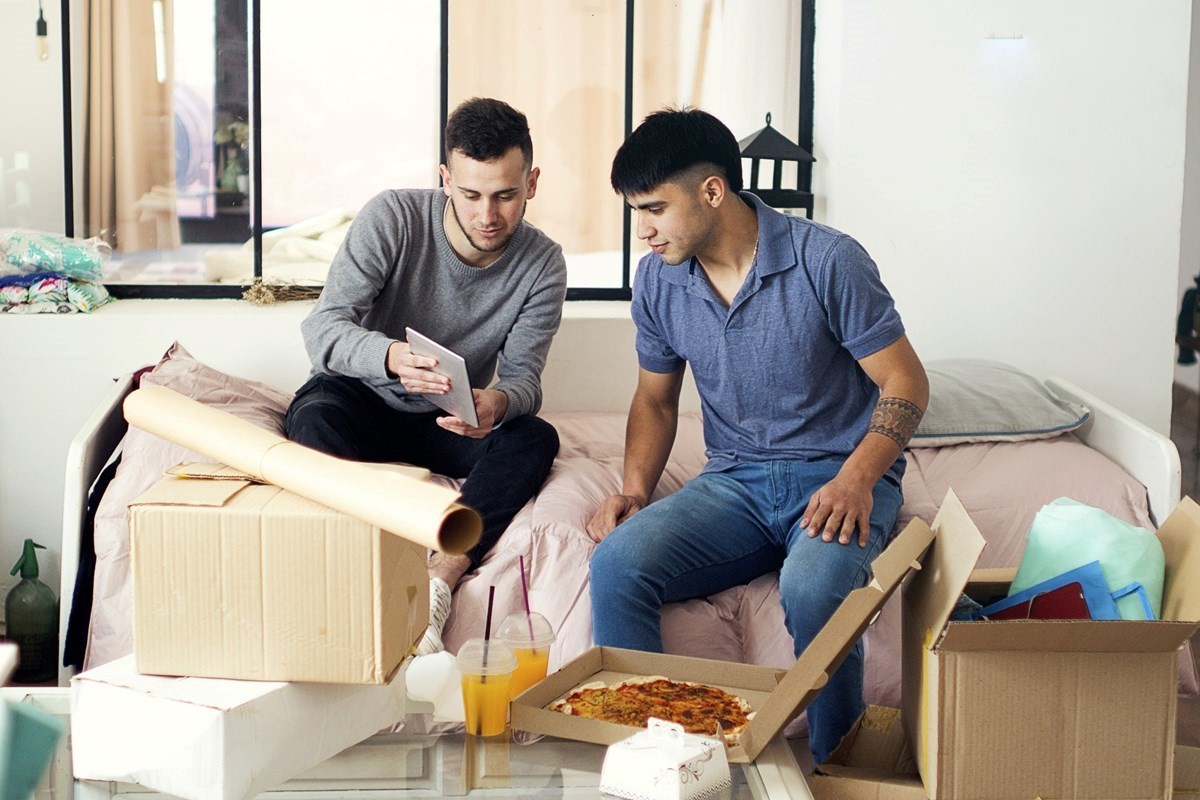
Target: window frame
[192,291]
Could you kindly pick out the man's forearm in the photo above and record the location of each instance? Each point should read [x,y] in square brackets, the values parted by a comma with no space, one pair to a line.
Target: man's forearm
[893,423]
[897,419]
[649,437]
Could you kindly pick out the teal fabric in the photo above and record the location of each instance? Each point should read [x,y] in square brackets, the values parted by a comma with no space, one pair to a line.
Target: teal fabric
[28,737]
[25,252]
[1067,534]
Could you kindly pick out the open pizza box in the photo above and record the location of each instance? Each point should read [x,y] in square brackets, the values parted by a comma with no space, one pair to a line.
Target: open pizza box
[777,696]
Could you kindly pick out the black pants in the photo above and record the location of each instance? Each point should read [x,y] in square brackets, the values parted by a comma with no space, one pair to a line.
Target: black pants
[342,417]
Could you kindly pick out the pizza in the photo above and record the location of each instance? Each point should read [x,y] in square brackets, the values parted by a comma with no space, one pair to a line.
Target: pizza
[699,708]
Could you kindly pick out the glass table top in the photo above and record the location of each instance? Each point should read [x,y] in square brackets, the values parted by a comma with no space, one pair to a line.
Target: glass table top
[408,766]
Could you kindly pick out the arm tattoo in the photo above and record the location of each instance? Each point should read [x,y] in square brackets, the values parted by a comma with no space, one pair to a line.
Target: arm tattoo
[896,419]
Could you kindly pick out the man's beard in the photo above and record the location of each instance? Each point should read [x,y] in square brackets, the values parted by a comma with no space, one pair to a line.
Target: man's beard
[483,247]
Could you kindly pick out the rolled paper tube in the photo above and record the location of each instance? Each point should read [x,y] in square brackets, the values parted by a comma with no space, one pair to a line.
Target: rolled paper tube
[422,512]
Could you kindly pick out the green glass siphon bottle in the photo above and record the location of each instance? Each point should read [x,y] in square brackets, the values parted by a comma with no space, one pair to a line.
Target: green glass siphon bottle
[31,621]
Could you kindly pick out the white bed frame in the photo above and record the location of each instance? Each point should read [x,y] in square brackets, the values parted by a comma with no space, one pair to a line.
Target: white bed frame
[1145,454]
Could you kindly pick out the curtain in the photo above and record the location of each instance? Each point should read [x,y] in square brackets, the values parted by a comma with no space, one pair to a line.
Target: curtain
[129,150]
[564,67]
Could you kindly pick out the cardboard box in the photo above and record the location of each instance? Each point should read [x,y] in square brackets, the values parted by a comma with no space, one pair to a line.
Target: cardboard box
[206,739]
[873,762]
[235,579]
[1028,708]
[776,696]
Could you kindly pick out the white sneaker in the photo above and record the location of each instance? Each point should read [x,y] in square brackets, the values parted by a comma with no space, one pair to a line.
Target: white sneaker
[439,612]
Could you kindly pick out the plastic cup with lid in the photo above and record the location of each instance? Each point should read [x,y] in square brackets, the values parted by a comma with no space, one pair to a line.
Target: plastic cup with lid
[487,669]
[529,636]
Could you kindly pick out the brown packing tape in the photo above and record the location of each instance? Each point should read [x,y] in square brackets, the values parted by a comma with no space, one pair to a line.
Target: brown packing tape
[422,512]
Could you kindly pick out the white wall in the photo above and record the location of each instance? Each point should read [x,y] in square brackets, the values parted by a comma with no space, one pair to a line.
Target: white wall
[1021,196]
[1189,242]
[31,164]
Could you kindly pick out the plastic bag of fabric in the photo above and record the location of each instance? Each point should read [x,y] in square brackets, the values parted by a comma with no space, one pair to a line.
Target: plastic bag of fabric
[54,295]
[27,252]
[1067,534]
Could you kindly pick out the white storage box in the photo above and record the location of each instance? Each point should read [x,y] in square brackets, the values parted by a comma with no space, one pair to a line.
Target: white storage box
[216,739]
[664,763]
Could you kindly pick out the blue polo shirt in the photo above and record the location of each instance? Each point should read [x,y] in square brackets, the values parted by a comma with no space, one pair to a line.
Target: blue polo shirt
[777,370]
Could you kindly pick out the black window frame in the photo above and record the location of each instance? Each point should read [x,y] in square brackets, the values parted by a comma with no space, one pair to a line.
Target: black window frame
[254,36]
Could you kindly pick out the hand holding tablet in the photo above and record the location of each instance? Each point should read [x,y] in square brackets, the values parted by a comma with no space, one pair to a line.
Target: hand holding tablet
[460,400]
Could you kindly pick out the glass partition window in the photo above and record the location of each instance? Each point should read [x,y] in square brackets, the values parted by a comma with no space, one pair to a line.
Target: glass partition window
[738,61]
[562,65]
[352,97]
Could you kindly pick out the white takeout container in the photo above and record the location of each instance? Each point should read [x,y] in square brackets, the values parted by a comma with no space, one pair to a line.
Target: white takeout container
[664,763]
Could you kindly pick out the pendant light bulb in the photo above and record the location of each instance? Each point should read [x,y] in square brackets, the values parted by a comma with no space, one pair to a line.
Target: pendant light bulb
[43,41]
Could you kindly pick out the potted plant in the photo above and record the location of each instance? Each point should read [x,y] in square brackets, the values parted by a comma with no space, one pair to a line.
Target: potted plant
[231,139]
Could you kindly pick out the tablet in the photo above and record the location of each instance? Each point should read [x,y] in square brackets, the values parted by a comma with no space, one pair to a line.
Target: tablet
[460,400]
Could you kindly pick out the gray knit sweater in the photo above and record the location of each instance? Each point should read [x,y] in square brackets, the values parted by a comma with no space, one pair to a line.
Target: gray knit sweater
[396,268]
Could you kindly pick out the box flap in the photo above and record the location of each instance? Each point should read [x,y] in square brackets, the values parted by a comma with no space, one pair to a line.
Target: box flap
[876,741]
[1180,537]
[215,472]
[831,644]
[174,491]
[871,763]
[935,589]
[1067,636]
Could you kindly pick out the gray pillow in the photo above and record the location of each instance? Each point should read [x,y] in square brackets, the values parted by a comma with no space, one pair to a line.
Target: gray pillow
[973,400]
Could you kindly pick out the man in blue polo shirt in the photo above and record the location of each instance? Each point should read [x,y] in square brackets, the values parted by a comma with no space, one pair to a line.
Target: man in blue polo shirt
[809,387]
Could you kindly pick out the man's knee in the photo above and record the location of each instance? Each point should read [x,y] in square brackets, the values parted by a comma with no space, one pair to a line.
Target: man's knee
[532,436]
[320,424]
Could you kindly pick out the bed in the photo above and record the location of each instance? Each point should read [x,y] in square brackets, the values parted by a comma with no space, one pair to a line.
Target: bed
[1003,471]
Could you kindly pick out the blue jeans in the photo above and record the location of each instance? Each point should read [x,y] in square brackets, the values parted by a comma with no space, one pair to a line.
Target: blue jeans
[723,529]
[343,417]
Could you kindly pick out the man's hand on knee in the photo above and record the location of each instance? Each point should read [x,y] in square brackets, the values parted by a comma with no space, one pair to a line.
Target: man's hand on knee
[837,509]
[614,510]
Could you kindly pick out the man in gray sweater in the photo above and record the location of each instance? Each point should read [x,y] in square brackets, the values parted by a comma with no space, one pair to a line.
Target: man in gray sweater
[461,266]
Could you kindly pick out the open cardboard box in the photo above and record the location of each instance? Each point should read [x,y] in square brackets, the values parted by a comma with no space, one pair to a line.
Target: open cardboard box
[776,696]
[238,579]
[1029,708]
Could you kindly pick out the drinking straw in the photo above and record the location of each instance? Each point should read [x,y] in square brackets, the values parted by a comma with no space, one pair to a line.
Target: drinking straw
[525,592]
[487,630]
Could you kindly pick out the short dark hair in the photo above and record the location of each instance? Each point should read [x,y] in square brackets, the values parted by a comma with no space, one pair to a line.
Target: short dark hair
[483,129]
[670,142]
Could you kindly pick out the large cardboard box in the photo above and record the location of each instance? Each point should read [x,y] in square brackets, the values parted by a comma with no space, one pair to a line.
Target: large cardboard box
[236,579]
[1031,708]
[207,739]
[776,696]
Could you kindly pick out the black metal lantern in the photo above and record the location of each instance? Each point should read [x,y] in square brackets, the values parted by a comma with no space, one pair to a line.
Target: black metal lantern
[772,145]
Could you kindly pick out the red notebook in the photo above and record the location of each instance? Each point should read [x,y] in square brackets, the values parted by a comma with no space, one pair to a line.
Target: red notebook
[1064,602]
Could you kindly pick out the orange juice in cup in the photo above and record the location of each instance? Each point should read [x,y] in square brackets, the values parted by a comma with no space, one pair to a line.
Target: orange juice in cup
[487,671]
[529,636]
